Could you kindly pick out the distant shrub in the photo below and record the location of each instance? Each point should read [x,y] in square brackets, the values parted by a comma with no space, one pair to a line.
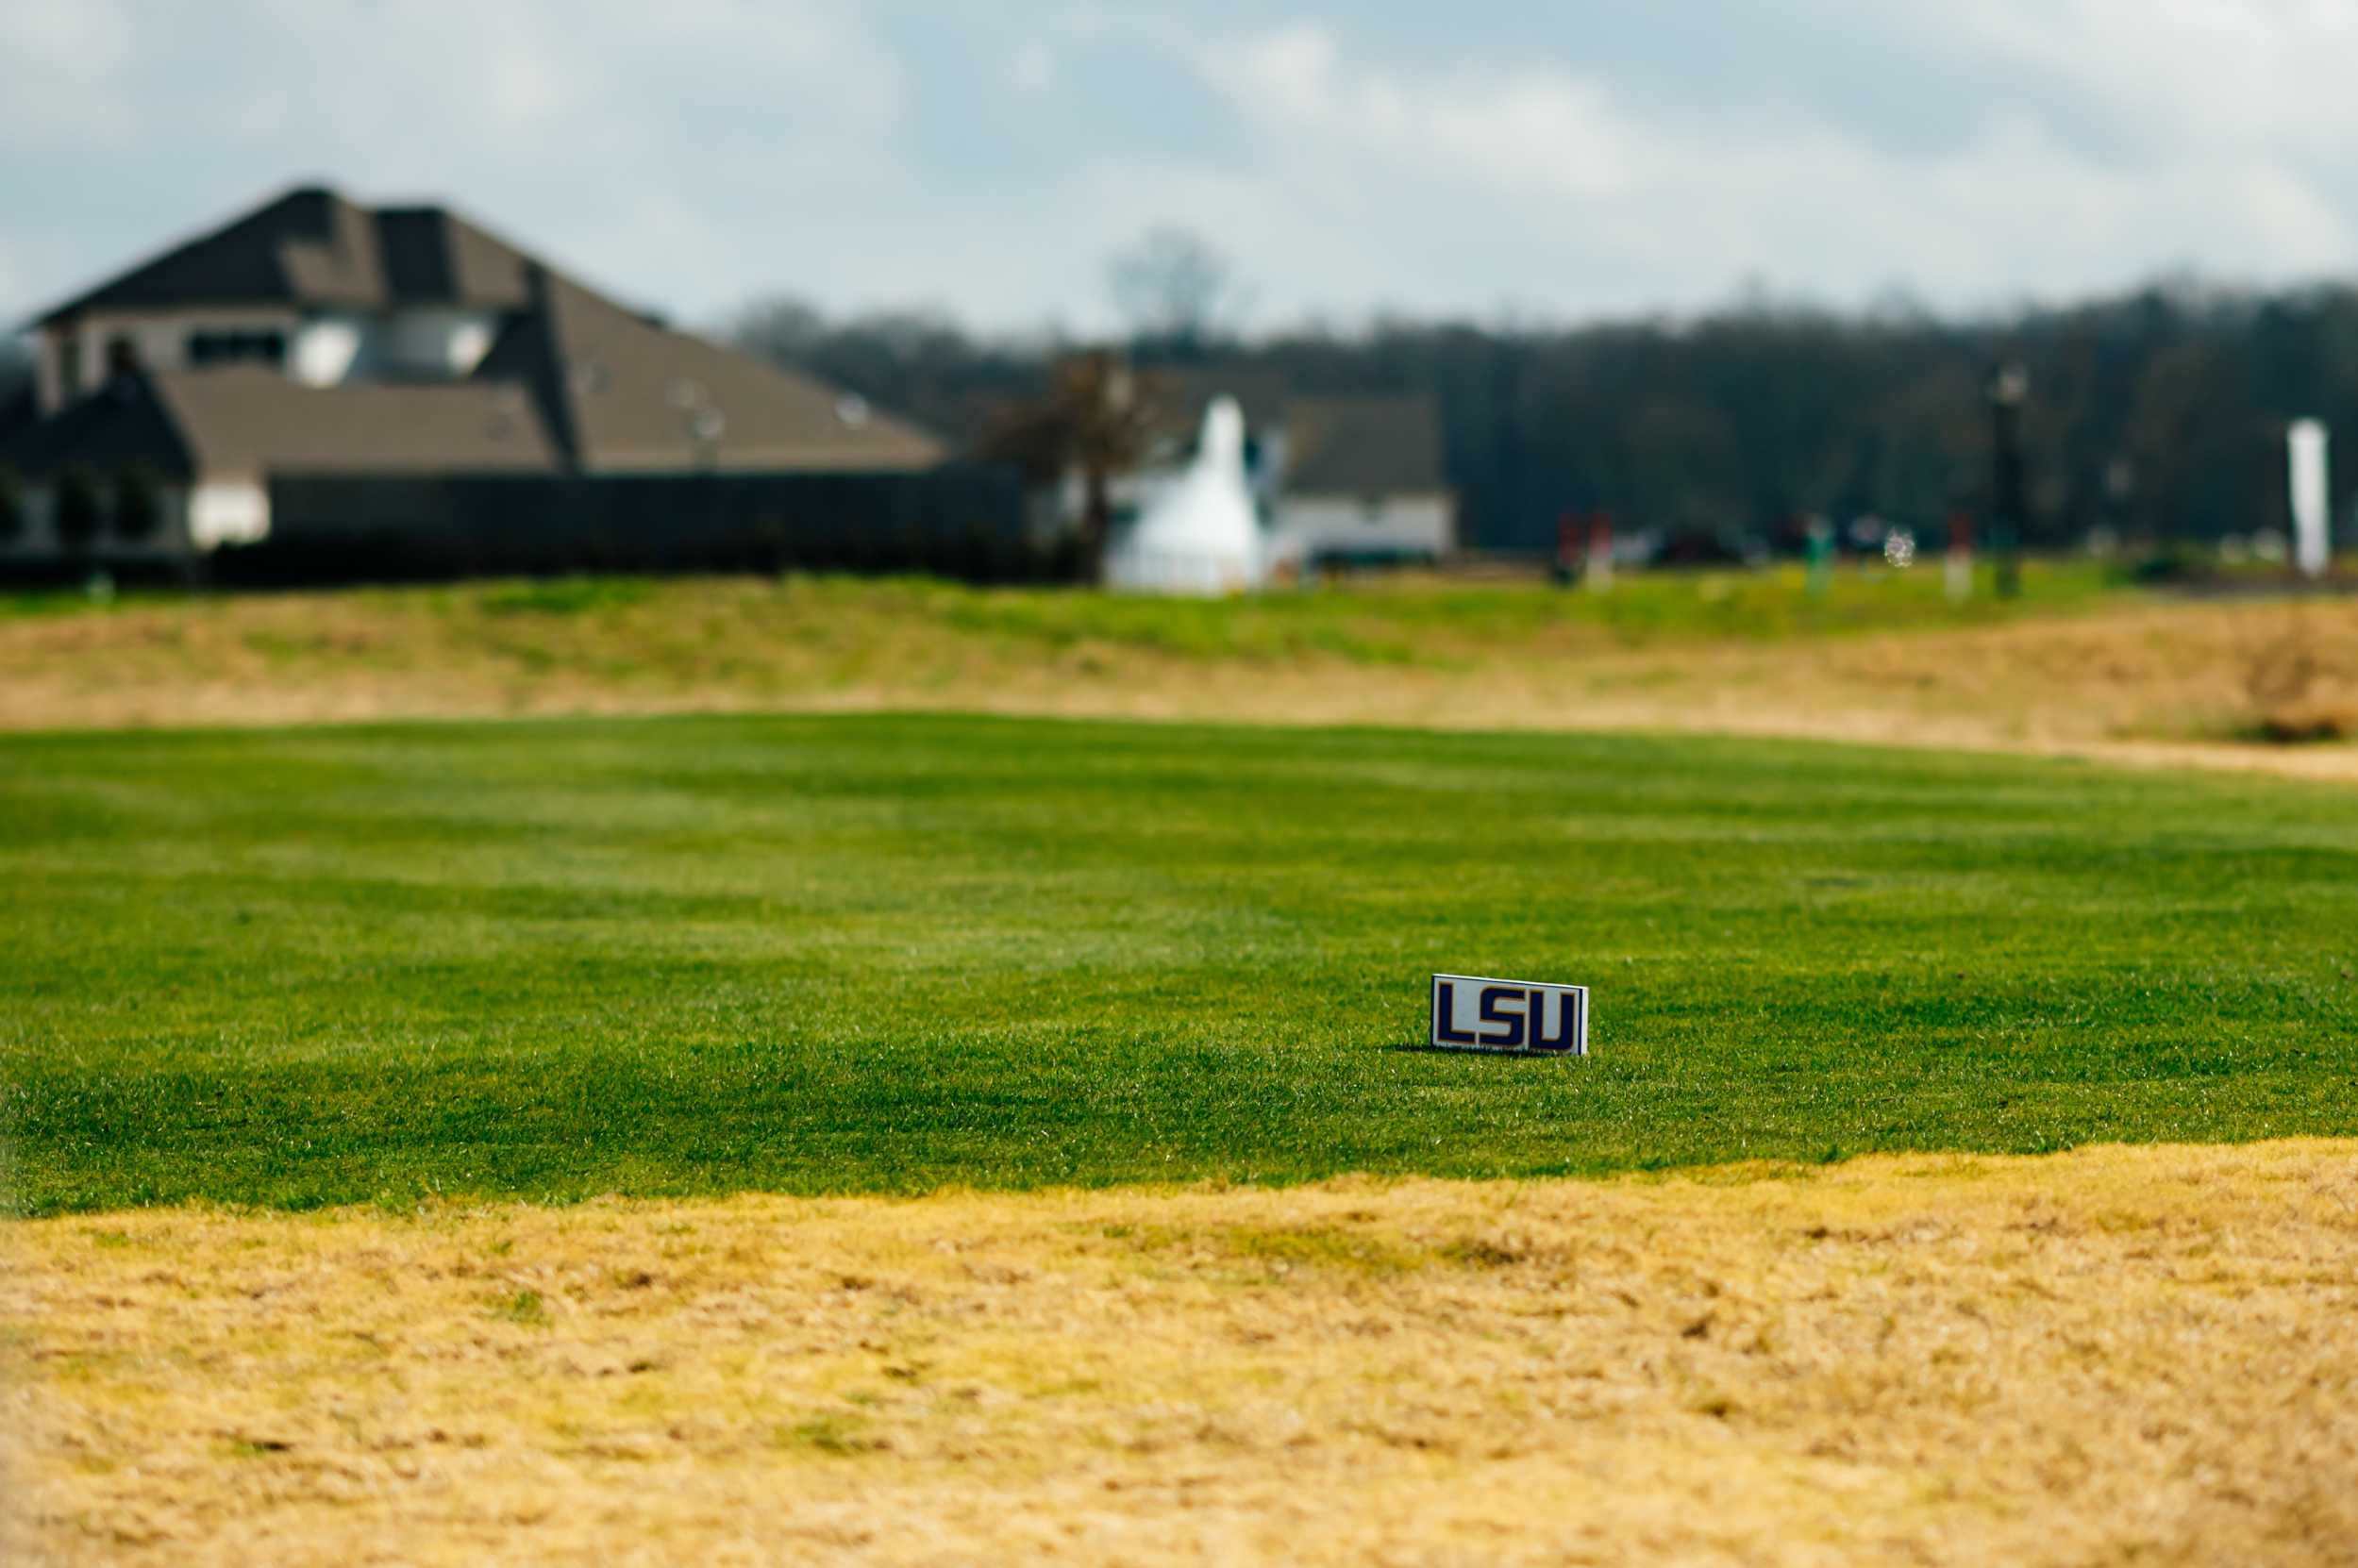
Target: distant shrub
[139,503]
[2173,563]
[2305,722]
[79,508]
[2285,680]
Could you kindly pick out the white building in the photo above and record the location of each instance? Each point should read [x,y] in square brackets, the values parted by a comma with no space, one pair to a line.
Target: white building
[1362,482]
[1334,480]
[1202,533]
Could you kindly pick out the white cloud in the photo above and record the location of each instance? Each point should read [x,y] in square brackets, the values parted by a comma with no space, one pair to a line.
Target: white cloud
[2267,75]
[1033,68]
[692,153]
[631,140]
[1540,172]
[1526,133]
[61,64]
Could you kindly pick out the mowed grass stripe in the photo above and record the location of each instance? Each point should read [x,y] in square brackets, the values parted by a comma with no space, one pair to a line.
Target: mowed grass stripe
[552,960]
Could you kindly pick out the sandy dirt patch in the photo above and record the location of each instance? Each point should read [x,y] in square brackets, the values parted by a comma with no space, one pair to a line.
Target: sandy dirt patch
[2114,1355]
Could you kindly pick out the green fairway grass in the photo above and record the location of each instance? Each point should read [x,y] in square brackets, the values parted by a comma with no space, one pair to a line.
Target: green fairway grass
[560,958]
[1386,619]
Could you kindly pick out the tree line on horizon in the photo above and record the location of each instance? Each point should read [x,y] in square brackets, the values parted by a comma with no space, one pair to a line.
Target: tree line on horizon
[2157,415]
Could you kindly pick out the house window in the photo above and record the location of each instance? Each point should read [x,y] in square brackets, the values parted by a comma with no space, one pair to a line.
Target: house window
[239,346]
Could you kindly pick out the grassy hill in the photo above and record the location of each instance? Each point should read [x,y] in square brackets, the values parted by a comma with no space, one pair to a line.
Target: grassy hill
[2079,664]
[890,953]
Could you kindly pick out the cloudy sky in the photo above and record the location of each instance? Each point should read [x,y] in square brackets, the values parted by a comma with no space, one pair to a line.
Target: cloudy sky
[1563,161]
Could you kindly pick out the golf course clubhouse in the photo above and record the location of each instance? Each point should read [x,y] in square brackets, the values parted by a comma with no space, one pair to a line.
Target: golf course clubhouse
[321,388]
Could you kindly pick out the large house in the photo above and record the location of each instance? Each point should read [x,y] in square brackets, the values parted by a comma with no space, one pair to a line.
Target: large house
[1335,479]
[318,338]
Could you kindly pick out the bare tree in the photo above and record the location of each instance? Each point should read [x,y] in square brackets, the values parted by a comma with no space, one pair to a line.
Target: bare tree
[1097,418]
[1173,288]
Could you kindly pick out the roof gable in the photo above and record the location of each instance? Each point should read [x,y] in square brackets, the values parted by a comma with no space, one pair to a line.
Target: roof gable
[240,262]
[310,247]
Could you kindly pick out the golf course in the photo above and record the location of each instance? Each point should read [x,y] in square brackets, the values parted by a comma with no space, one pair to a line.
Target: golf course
[559,958]
[881,1056]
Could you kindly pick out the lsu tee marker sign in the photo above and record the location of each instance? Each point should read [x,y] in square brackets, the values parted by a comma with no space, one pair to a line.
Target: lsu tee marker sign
[1522,1017]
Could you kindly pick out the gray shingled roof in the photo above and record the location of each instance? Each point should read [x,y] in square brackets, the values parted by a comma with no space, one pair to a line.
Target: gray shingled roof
[1359,445]
[1362,446]
[625,395]
[310,247]
[245,420]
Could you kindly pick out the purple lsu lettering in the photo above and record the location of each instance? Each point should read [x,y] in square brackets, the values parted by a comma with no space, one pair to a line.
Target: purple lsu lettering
[1524,1030]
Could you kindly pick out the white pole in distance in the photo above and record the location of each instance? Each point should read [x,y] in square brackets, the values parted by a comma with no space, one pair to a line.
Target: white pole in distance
[2304,447]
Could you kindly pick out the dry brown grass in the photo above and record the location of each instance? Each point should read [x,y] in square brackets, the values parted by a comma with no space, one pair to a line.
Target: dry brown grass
[2140,682]
[2298,695]
[2116,1355]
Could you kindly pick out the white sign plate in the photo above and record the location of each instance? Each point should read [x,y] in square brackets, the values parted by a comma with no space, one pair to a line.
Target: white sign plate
[1472,1012]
